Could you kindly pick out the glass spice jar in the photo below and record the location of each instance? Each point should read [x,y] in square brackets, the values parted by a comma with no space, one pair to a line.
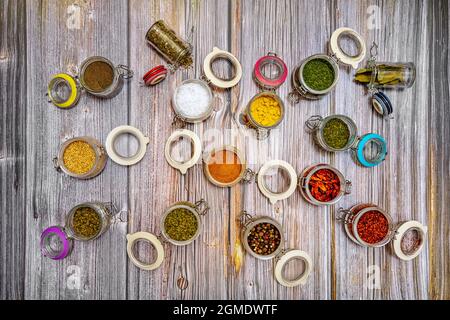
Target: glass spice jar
[370,226]
[97,76]
[388,75]
[318,74]
[185,212]
[57,242]
[368,150]
[272,239]
[174,49]
[339,186]
[81,158]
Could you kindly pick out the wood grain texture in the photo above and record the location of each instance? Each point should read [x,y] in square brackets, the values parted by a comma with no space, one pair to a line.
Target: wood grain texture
[39,39]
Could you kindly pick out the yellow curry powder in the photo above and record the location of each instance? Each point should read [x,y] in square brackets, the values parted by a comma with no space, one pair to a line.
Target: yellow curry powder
[225,166]
[79,157]
[265,110]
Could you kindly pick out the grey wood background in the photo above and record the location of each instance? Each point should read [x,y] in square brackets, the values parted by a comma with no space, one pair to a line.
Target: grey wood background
[41,38]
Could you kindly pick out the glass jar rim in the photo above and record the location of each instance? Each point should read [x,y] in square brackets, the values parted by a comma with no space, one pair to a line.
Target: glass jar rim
[351,125]
[328,59]
[280,103]
[191,208]
[241,160]
[192,119]
[389,235]
[87,62]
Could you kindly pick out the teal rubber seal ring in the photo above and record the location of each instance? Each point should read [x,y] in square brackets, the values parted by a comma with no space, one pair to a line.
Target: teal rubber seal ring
[363,142]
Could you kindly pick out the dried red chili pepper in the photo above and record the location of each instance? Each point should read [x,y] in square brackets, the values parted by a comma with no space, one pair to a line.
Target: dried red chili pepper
[372,227]
[324,185]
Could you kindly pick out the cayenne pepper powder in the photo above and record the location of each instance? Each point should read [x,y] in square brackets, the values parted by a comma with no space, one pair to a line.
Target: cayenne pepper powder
[324,185]
[372,227]
[225,166]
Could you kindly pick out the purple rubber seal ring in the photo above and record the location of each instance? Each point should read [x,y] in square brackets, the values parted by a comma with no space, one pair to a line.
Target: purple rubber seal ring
[62,236]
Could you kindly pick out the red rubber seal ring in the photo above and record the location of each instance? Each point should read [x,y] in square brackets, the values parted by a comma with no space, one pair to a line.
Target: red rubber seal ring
[267,82]
[155,75]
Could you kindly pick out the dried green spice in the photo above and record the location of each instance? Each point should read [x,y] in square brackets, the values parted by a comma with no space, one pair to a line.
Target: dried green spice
[86,222]
[180,224]
[318,74]
[336,133]
[387,75]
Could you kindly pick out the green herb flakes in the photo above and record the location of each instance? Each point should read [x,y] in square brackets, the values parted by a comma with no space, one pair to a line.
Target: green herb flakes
[336,133]
[86,222]
[318,74]
[180,224]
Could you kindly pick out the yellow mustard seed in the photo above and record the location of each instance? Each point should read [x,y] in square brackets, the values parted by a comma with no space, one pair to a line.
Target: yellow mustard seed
[79,157]
[265,110]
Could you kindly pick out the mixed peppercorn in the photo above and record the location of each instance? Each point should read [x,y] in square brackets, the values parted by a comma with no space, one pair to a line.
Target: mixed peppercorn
[372,227]
[324,185]
[264,238]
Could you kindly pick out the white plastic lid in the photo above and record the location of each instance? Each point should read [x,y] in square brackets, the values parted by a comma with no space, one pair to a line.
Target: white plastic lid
[417,244]
[343,57]
[284,259]
[154,241]
[196,146]
[274,197]
[116,157]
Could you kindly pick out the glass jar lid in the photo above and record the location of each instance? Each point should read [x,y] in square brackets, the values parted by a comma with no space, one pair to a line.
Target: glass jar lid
[55,243]
[63,90]
[382,104]
[371,150]
[288,256]
[133,239]
[196,149]
[409,239]
[270,71]
[340,54]
[214,79]
[116,156]
[265,190]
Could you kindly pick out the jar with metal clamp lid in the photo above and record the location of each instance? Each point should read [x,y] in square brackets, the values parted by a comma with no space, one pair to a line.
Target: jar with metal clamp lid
[225,166]
[318,74]
[180,225]
[370,226]
[337,133]
[97,76]
[321,184]
[263,238]
[265,111]
[81,158]
[84,222]
[192,100]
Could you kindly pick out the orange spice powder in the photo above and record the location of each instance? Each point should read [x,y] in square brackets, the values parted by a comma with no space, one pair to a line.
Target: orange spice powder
[225,166]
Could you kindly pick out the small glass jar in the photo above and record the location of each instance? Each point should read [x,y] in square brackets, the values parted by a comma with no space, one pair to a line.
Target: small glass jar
[57,242]
[280,255]
[305,178]
[407,238]
[99,162]
[360,146]
[64,90]
[388,75]
[174,49]
[240,160]
[337,55]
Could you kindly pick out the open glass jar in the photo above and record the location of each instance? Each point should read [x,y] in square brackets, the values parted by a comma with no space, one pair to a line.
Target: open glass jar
[321,184]
[192,100]
[370,226]
[337,133]
[84,222]
[180,226]
[263,238]
[317,75]
[225,166]
[81,158]
[265,110]
[97,75]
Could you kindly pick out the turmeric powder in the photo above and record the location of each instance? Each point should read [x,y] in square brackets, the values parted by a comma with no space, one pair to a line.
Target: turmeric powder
[265,111]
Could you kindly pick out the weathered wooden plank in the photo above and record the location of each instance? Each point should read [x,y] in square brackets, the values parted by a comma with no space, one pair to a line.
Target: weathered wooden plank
[12,148]
[438,151]
[61,35]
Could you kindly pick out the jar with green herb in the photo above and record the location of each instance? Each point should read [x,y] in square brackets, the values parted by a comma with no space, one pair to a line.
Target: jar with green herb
[84,222]
[318,74]
[336,133]
[263,238]
[388,75]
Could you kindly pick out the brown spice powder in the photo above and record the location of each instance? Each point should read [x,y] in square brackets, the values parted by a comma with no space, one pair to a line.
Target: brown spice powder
[98,76]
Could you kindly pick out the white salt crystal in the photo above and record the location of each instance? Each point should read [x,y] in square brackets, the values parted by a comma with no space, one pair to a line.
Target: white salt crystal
[192,99]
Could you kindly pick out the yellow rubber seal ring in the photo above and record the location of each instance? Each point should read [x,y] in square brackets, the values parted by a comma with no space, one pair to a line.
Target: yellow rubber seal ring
[73,88]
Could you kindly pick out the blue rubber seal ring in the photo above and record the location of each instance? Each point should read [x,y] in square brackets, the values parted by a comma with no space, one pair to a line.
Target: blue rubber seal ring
[360,148]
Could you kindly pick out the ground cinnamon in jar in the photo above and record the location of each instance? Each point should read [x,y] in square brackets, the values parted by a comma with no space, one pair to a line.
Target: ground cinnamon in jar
[372,227]
[98,76]
[225,166]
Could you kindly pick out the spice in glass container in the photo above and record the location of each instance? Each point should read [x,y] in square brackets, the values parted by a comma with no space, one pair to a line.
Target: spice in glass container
[264,238]
[180,224]
[98,76]
[336,133]
[192,99]
[324,185]
[225,166]
[86,222]
[372,227]
[265,111]
[318,74]
[79,157]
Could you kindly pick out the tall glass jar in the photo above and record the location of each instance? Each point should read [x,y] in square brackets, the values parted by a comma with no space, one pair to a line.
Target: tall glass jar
[98,164]
[388,75]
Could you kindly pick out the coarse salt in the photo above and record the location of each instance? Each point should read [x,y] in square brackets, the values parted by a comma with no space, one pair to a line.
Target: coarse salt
[192,99]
